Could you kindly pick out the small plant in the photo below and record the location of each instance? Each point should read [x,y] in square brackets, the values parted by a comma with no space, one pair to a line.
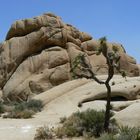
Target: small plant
[25,109]
[124,133]
[70,128]
[35,105]
[89,122]
[107,136]
[93,121]
[129,133]
[43,133]
[25,114]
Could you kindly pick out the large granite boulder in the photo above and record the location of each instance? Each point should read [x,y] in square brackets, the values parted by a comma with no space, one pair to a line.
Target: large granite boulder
[129,116]
[38,53]
[127,62]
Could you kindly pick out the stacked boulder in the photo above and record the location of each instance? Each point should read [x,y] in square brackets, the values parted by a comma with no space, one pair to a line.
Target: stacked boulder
[38,52]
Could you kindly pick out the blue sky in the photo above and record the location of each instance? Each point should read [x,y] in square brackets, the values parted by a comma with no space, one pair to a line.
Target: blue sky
[118,20]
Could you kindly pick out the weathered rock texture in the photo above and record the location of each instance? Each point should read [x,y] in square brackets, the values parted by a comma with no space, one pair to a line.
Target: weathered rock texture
[38,52]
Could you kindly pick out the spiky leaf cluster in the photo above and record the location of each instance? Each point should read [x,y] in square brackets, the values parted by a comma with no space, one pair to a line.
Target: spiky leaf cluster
[112,56]
[103,47]
[77,61]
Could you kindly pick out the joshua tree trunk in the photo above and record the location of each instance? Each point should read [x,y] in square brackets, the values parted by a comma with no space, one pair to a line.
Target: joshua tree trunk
[107,113]
[108,107]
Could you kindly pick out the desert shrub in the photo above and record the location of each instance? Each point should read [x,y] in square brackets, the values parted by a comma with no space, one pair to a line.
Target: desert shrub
[35,105]
[20,107]
[25,109]
[129,133]
[70,128]
[12,103]
[25,114]
[125,133]
[107,136]
[89,122]
[125,137]
[92,121]
[43,133]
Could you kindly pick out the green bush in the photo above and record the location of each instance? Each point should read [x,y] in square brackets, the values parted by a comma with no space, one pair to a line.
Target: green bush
[129,133]
[86,124]
[25,114]
[92,121]
[25,109]
[125,133]
[89,122]
[35,105]
[70,128]
[107,136]
[43,133]
[20,107]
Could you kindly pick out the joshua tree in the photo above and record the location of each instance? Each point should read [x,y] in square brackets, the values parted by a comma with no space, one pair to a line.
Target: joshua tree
[82,63]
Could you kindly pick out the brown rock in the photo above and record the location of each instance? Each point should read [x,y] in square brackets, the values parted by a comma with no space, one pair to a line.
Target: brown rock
[127,63]
[39,73]
[38,54]
[24,27]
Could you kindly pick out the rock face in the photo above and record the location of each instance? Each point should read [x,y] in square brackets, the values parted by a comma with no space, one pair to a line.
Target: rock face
[130,116]
[38,52]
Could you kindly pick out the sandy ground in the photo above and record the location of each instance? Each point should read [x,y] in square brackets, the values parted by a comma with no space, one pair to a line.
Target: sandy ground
[22,129]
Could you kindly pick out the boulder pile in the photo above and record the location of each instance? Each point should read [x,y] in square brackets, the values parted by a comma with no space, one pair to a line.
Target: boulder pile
[38,52]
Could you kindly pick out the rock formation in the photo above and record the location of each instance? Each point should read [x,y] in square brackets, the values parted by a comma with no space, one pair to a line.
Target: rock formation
[38,52]
[35,62]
